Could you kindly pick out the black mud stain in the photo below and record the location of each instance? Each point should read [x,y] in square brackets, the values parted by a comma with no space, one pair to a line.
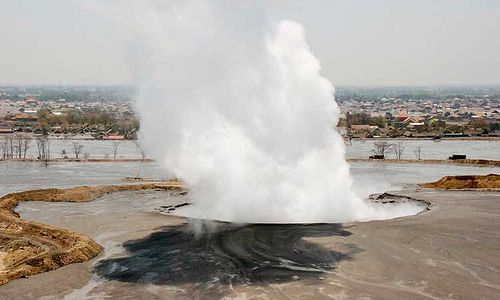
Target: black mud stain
[251,254]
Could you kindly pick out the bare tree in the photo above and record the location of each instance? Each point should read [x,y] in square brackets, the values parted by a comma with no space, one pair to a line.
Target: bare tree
[381,148]
[140,149]
[19,146]
[418,152]
[348,140]
[39,147]
[115,146]
[43,145]
[77,148]
[9,147]
[26,146]
[12,147]
[4,147]
[398,149]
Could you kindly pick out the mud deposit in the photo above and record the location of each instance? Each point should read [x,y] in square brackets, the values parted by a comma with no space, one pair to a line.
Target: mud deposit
[466,182]
[29,248]
[448,252]
[252,254]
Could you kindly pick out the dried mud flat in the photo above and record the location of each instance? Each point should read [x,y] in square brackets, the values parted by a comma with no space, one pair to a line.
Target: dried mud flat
[28,248]
[449,252]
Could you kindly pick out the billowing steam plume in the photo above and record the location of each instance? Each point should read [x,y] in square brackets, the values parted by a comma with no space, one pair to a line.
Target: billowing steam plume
[235,105]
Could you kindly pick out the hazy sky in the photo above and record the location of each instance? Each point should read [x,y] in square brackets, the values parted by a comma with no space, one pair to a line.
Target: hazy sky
[414,42]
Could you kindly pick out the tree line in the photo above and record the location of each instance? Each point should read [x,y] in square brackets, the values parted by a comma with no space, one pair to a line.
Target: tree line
[17,147]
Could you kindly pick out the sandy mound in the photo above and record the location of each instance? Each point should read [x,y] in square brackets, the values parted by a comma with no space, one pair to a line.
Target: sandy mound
[467,182]
[28,248]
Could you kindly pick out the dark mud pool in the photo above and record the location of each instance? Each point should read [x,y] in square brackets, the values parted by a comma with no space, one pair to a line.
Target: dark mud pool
[247,254]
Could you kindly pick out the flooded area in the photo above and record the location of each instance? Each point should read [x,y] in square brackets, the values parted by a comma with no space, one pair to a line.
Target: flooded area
[19,176]
[92,148]
[431,149]
[358,148]
[149,254]
[368,177]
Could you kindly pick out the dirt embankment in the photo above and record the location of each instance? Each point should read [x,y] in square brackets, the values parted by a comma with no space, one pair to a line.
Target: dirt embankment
[467,182]
[28,248]
[473,162]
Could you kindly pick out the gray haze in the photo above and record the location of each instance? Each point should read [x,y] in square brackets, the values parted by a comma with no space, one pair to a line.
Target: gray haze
[358,42]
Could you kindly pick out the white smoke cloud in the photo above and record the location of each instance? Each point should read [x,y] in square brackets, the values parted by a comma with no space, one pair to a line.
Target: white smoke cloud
[234,104]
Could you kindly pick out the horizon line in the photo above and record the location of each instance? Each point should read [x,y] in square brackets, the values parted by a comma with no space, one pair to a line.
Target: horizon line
[125,85]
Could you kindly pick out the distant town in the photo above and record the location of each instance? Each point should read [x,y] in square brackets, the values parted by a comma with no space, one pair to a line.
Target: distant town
[106,112]
[419,113]
[78,113]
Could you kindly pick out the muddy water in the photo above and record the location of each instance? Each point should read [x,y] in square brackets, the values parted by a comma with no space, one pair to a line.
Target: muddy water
[151,255]
[476,149]
[111,220]
[368,177]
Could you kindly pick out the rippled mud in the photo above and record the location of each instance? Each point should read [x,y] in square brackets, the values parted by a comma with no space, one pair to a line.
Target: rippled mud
[251,254]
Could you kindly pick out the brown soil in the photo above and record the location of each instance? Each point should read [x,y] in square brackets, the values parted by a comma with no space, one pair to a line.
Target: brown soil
[468,182]
[28,248]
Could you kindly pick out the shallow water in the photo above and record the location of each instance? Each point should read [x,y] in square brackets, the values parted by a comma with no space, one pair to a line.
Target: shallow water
[368,177]
[94,148]
[18,176]
[372,178]
[441,149]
